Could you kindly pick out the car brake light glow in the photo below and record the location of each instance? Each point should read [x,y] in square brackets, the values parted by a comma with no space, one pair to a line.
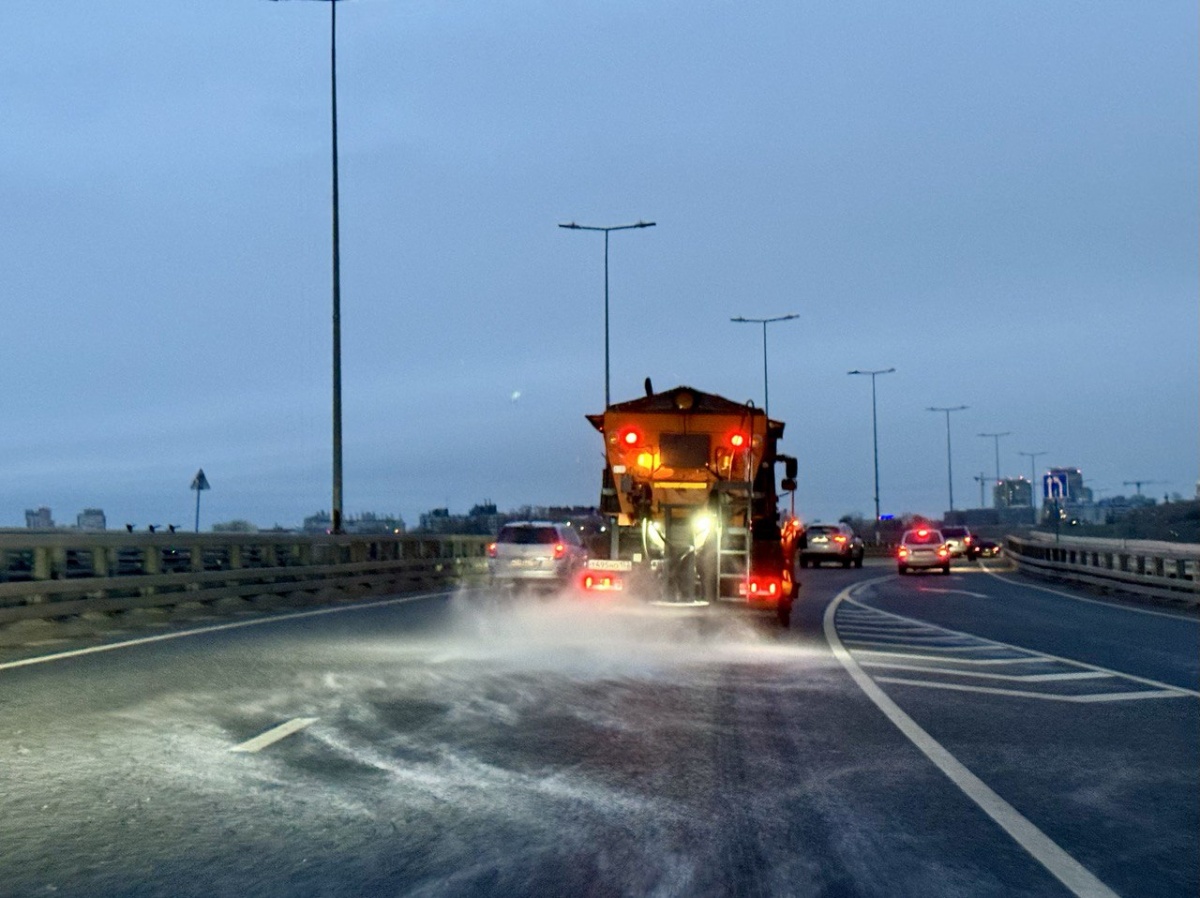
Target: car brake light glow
[602,583]
[922,533]
[839,538]
[560,550]
[903,552]
[943,551]
[491,550]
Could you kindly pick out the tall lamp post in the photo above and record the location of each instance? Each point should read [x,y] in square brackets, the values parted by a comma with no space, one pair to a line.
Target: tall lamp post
[336,511]
[949,466]
[764,322]
[874,432]
[1033,480]
[578,227]
[996,437]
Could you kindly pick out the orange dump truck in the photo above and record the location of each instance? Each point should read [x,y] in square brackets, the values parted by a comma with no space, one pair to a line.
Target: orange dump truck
[689,488]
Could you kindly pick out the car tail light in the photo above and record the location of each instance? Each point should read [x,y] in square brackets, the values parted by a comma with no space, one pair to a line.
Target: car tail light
[902,552]
[943,551]
[560,550]
[922,533]
[839,539]
[967,541]
[491,550]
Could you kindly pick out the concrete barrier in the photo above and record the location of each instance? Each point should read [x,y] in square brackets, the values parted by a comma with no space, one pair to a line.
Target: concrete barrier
[1158,569]
[56,574]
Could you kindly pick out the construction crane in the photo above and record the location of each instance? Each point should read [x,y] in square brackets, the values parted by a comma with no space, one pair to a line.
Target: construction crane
[1138,484]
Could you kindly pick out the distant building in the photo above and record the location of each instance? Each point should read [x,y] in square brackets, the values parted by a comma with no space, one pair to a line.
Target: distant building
[91,519]
[1013,492]
[39,518]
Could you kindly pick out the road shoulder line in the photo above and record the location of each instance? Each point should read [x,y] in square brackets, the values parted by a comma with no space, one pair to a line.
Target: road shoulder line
[1077,878]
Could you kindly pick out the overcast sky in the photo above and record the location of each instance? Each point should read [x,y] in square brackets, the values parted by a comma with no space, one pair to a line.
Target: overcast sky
[997,199]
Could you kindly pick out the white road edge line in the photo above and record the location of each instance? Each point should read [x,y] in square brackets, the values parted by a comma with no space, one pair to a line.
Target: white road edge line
[1145,681]
[1019,678]
[273,735]
[1041,847]
[198,631]
[1067,595]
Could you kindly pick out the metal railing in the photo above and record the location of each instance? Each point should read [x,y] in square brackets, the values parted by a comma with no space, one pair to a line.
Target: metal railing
[1159,569]
[44,575]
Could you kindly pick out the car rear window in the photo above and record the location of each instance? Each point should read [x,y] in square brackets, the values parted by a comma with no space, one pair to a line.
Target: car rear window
[923,537]
[822,531]
[528,536]
[954,532]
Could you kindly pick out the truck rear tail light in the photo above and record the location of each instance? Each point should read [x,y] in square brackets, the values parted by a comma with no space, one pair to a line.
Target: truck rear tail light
[630,437]
[737,440]
[759,587]
[602,582]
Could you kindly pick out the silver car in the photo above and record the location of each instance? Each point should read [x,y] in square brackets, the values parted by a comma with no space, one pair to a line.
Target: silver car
[923,547]
[830,542]
[536,553]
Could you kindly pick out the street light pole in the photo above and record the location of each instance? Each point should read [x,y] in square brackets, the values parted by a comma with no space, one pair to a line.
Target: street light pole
[336,511]
[949,467]
[996,437]
[874,431]
[578,227]
[764,322]
[1033,480]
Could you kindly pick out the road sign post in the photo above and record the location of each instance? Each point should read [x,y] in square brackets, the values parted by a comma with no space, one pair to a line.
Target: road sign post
[199,482]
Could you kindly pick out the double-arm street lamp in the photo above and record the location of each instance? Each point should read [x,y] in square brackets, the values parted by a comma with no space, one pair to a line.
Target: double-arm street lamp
[874,429]
[996,437]
[764,322]
[1033,479]
[578,227]
[949,465]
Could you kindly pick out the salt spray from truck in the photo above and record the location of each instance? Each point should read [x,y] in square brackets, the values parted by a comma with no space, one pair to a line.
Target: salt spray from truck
[689,489]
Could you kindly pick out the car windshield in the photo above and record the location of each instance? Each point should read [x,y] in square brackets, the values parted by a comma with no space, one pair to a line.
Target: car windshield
[528,536]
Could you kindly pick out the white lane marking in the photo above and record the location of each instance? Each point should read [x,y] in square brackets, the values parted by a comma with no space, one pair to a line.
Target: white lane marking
[1047,696]
[1120,607]
[273,735]
[996,644]
[1029,659]
[940,648]
[198,631]
[981,675]
[957,592]
[1041,847]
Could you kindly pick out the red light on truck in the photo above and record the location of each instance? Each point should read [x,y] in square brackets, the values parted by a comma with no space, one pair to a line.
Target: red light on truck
[602,583]
[737,440]
[764,588]
[631,437]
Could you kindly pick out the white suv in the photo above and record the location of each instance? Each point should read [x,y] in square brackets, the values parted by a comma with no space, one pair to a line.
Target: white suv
[536,553]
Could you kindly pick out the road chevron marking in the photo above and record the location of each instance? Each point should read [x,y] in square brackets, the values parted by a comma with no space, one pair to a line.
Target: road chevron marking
[273,735]
[1045,696]
[847,593]
[1072,874]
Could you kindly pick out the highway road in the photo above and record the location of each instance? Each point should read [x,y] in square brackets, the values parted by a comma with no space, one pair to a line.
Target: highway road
[908,736]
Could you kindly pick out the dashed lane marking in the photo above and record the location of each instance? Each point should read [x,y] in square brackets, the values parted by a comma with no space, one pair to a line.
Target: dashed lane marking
[273,735]
[1072,874]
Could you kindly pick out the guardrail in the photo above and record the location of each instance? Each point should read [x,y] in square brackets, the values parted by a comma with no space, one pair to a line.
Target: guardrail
[44,575]
[1159,569]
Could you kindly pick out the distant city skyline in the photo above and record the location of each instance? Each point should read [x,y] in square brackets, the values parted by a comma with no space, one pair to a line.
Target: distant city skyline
[997,201]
